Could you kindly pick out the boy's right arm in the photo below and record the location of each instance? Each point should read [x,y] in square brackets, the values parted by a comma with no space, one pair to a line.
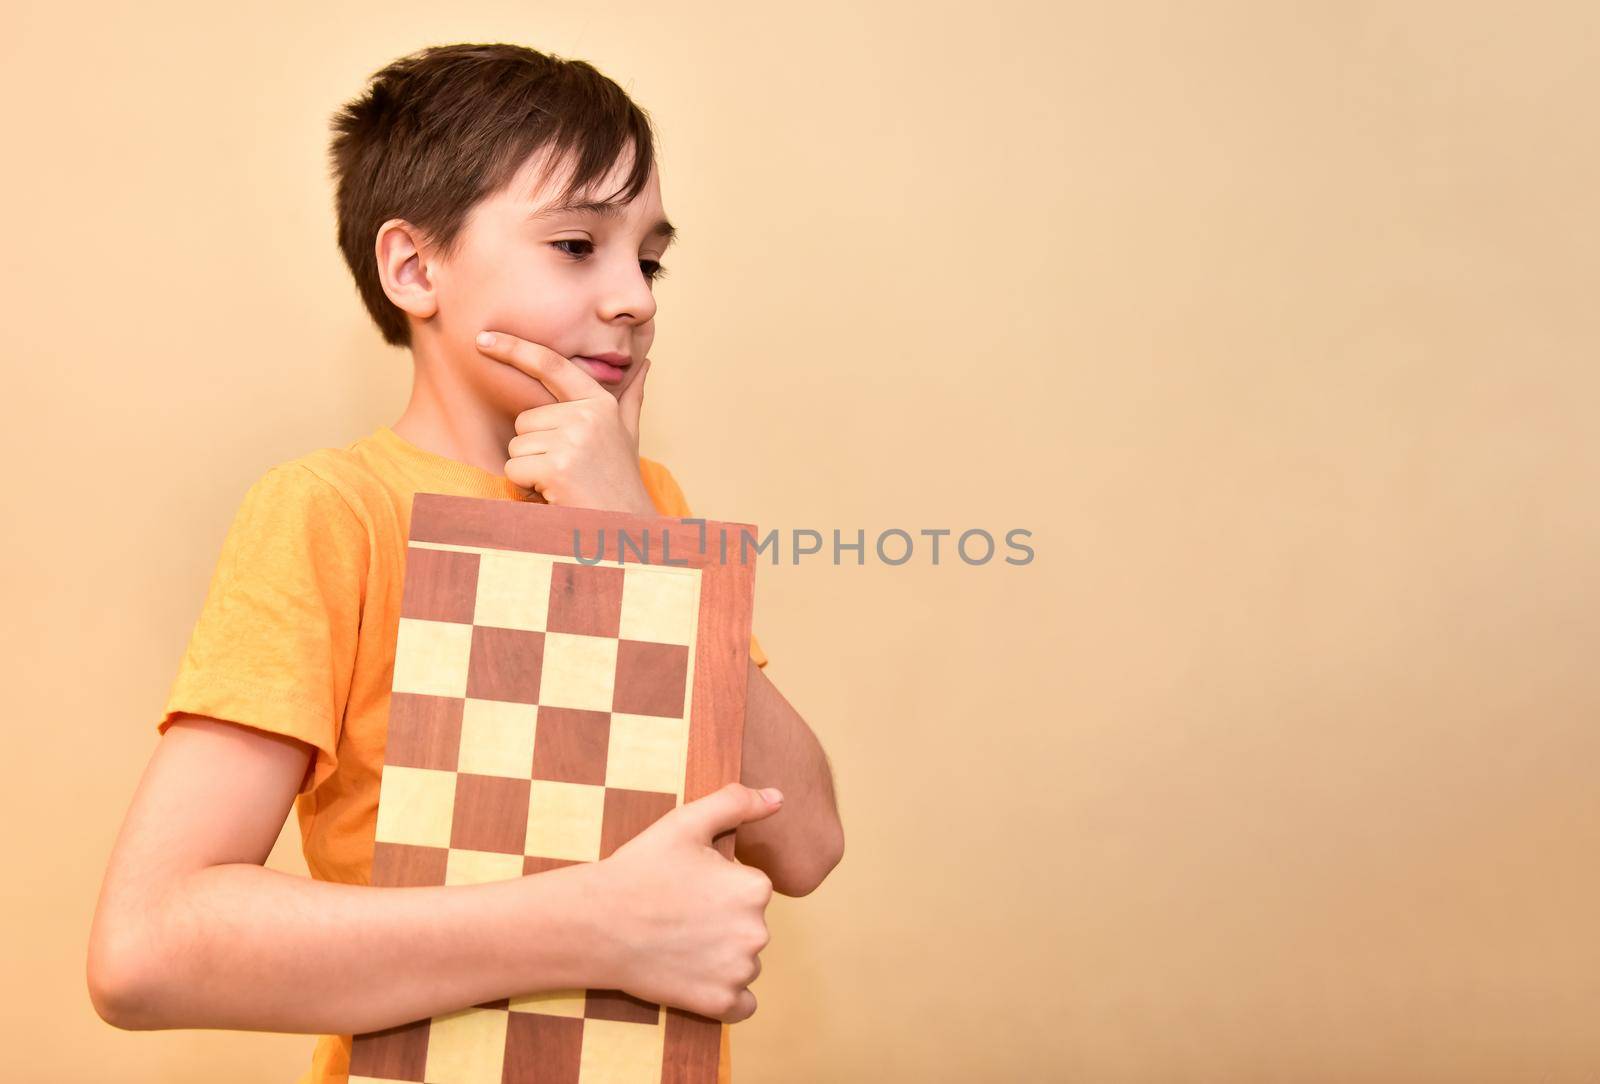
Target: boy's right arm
[192,931]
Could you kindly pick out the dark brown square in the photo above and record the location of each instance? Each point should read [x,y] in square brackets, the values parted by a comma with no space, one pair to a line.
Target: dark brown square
[397,864]
[440,585]
[491,814]
[620,1005]
[542,1049]
[424,731]
[569,745]
[629,812]
[651,678]
[586,599]
[505,664]
[533,863]
[397,1053]
[694,1045]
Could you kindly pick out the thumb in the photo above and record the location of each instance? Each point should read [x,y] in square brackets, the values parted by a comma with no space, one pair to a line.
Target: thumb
[735,804]
[631,401]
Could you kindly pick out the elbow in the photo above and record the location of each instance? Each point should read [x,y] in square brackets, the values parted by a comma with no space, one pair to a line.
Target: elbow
[108,993]
[119,996]
[827,856]
[110,1000]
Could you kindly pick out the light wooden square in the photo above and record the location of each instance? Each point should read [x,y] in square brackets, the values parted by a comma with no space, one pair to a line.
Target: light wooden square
[564,820]
[647,752]
[467,1047]
[579,671]
[432,657]
[553,1003]
[497,738]
[660,603]
[416,806]
[465,867]
[621,1052]
[513,590]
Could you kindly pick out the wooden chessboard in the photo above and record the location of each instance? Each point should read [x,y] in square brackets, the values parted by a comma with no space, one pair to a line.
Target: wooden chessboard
[563,677]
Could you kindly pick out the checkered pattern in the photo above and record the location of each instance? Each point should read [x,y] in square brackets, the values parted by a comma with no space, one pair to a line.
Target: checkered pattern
[539,718]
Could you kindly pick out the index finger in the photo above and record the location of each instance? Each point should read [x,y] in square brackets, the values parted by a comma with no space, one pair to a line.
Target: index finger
[565,380]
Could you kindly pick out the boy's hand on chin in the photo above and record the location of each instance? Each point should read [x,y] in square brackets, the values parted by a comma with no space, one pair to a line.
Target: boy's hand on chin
[582,450]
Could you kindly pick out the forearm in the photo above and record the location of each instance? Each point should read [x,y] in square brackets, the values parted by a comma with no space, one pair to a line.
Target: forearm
[801,843]
[242,947]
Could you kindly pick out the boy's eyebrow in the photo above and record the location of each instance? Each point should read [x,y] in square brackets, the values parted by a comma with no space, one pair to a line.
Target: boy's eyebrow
[663,229]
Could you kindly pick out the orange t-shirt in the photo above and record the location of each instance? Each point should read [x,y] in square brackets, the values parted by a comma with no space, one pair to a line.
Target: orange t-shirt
[297,635]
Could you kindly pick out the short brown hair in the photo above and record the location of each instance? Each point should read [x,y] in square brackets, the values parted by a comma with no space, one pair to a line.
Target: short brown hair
[438,130]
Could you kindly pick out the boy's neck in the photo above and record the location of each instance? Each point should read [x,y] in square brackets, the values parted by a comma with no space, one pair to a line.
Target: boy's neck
[447,417]
[474,439]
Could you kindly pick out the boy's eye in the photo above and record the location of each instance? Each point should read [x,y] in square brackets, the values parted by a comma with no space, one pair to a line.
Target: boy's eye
[652,268]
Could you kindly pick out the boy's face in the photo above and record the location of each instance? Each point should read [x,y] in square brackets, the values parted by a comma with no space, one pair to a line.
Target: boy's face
[577,282]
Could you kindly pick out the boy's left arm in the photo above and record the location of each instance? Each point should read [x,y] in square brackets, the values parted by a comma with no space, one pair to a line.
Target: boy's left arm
[800,844]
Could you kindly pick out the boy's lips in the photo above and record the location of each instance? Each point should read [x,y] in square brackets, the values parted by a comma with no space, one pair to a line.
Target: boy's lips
[606,368]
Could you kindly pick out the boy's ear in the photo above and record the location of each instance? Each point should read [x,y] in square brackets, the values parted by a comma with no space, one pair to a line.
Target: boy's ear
[404,268]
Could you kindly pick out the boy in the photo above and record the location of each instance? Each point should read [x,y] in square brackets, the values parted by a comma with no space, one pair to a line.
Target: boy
[480,188]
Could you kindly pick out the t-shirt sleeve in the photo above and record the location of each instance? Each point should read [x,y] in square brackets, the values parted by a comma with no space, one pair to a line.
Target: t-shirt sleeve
[669,500]
[274,647]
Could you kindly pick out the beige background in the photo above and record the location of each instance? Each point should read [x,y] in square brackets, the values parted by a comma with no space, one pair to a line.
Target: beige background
[1273,323]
